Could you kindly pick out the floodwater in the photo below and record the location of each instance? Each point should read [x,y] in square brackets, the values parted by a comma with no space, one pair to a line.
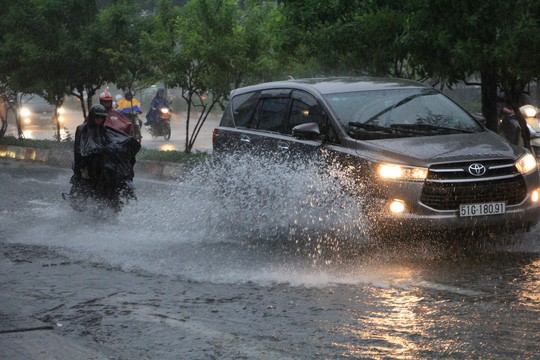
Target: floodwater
[258,262]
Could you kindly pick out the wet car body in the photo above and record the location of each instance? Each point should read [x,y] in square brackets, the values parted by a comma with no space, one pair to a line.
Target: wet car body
[421,161]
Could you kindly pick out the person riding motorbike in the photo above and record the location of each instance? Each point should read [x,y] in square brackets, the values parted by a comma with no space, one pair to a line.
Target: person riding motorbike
[103,163]
[131,108]
[128,104]
[115,119]
[158,102]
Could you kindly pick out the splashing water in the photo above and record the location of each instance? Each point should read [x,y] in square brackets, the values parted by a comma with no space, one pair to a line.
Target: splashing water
[233,221]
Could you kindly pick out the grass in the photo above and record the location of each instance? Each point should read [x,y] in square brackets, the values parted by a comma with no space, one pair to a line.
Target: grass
[144,154]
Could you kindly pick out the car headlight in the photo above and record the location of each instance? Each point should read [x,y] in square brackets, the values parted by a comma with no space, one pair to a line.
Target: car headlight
[526,163]
[25,112]
[400,172]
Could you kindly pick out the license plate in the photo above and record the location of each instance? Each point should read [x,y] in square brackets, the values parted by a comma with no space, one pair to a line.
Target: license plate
[492,208]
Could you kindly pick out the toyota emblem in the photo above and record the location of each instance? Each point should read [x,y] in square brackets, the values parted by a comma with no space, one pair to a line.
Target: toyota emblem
[477,169]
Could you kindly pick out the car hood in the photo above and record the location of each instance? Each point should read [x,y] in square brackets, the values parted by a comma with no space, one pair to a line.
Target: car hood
[427,150]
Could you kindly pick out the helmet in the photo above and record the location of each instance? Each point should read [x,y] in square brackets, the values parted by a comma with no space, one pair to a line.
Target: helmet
[97,110]
[128,96]
[105,99]
[105,96]
[161,91]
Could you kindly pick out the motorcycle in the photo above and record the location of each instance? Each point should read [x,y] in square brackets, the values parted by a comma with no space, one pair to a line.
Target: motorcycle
[162,126]
[106,182]
[136,125]
[531,114]
[510,129]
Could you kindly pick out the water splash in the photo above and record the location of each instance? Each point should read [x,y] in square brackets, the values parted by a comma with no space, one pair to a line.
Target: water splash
[234,221]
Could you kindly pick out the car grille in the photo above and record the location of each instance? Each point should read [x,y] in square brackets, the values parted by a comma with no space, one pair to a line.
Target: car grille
[450,185]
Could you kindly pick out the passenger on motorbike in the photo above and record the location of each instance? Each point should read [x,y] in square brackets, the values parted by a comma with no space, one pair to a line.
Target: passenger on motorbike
[131,108]
[129,105]
[158,102]
[115,119]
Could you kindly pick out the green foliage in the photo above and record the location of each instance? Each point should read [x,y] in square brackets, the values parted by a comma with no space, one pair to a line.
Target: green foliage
[144,154]
[172,156]
[131,55]
[213,46]
[38,144]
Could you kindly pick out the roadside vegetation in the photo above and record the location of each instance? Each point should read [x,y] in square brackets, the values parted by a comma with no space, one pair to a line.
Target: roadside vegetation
[181,157]
[209,47]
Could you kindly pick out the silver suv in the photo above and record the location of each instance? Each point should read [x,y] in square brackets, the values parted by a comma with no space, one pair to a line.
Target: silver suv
[426,162]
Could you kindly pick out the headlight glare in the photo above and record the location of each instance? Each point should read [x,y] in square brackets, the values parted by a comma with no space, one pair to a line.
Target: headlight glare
[526,163]
[25,112]
[392,171]
[529,110]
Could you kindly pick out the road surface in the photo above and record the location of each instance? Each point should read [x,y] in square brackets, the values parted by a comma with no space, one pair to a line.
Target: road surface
[184,274]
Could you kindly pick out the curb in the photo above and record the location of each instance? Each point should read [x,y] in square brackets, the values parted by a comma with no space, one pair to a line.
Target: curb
[63,159]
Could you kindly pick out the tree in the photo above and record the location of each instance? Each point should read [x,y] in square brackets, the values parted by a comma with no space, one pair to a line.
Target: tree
[490,39]
[132,48]
[218,46]
[446,41]
[344,37]
[49,55]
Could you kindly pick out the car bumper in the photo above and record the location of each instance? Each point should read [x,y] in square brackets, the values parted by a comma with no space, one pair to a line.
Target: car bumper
[522,218]
[420,217]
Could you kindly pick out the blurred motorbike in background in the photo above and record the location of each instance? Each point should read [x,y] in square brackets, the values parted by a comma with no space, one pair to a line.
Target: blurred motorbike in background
[510,129]
[162,127]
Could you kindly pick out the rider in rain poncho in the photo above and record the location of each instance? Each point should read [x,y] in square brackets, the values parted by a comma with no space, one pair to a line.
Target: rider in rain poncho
[158,102]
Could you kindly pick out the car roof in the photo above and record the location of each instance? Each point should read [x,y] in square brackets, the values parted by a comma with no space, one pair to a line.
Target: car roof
[336,85]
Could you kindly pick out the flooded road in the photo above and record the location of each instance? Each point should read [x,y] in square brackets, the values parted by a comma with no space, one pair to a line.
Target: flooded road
[186,273]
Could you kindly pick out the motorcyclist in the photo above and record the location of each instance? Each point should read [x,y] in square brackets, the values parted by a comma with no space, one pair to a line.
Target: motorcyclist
[158,102]
[131,108]
[103,161]
[115,119]
[129,105]
[91,145]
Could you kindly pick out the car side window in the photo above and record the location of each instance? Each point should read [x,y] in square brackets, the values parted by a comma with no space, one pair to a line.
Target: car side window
[271,113]
[243,106]
[305,109]
[227,118]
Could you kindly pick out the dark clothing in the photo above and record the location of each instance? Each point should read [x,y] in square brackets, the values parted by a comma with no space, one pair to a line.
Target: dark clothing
[103,152]
[157,104]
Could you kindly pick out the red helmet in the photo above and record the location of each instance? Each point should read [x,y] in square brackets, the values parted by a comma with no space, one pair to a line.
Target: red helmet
[105,96]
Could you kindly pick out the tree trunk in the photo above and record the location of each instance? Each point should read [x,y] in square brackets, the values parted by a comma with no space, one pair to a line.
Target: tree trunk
[57,122]
[188,117]
[489,97]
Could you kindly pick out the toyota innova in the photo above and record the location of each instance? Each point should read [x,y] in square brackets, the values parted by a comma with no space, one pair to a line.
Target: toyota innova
[424,161]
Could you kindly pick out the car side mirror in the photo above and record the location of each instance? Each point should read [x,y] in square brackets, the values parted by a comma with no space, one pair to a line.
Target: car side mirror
[480,118]
[307,131]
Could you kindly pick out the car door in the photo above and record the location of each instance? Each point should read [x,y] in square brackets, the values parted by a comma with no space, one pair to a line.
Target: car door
[270,119]
[305,111]
[235,131]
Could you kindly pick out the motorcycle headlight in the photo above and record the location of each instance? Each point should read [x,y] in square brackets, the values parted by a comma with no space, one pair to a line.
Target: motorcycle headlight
[526,163]
[528,110]
[400,172]
[61,111]
[25,112]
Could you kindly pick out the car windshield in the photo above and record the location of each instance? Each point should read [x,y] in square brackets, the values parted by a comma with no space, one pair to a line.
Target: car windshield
[399,113]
